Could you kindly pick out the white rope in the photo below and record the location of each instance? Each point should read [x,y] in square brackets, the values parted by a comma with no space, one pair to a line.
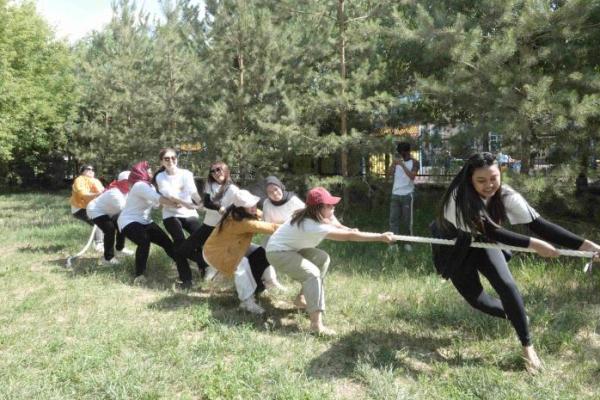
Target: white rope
[85,248]
[483,245]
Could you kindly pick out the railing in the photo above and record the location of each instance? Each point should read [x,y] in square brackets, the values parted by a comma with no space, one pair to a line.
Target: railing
[433,179]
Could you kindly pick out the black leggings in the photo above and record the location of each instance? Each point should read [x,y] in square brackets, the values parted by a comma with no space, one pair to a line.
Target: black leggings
[81,215]
[258,263]
[491,263]
[175,226]
[108,226]
[142,236]
[194,243]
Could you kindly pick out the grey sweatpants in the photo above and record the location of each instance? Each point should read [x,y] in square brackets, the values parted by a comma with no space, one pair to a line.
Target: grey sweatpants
[401,214]
[307,266]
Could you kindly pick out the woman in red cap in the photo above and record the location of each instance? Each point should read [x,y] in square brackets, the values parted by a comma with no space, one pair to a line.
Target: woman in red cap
[292,250]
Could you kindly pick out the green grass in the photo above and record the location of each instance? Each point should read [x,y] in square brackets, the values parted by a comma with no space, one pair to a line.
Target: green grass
[404,333]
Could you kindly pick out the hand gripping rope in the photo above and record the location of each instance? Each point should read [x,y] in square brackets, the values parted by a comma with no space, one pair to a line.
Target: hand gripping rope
[85,248]
[483,245]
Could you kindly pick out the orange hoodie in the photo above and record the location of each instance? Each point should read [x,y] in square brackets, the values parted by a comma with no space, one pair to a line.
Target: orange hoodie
[225,249]
[82,186]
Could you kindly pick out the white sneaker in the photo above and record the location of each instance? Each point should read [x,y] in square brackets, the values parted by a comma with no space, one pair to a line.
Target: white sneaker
[125,252]
[407,247]
[99,247]
[275,285]
[210,273]
[112,261]
[251,306]
[140,280]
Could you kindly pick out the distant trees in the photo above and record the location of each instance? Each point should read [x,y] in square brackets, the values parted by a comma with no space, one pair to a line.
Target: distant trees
[38,94]
[523,68]
[259,83]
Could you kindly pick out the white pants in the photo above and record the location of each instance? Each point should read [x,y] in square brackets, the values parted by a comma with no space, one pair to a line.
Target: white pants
[245,285]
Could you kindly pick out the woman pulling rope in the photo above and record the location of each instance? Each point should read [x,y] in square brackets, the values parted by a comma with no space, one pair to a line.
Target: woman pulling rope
[474,206]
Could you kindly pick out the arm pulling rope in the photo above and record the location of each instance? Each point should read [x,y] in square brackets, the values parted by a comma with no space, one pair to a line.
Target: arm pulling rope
[483,245]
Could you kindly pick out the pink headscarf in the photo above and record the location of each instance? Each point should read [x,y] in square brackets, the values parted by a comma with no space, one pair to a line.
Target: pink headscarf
[139,172]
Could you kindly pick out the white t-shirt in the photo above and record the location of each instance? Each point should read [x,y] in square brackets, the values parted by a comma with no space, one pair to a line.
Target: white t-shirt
[280,214]
[518,211]
[403,185]
[212,217]
[108,203]
[308,234]
[142,197]
[180,185]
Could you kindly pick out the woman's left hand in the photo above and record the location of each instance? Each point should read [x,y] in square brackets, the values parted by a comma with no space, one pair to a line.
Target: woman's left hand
[591,246]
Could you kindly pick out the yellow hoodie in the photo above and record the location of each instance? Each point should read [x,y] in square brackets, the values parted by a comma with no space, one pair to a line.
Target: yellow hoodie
[84,186]
[225,248]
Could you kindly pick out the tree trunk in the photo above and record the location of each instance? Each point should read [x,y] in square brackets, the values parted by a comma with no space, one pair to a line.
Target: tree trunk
[343,111]
[241,90]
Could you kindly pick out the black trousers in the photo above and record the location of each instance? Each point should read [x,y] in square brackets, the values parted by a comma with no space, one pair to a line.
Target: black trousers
[175,226]
[492,264]
[258,263]
[108,225]
[194,243]
[142,236]
[81,215]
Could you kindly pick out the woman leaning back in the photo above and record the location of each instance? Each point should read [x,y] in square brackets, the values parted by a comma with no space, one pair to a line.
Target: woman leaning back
[474,206]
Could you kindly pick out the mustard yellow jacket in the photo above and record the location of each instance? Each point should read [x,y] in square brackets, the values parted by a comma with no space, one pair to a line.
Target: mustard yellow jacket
[225,247]
[82,186]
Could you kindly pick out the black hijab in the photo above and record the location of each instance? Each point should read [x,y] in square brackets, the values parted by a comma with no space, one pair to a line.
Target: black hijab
[271,180]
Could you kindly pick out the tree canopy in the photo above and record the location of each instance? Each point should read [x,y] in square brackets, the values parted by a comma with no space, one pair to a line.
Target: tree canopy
[260,83]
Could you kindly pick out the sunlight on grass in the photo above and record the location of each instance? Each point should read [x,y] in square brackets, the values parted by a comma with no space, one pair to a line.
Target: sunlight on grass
[403,332]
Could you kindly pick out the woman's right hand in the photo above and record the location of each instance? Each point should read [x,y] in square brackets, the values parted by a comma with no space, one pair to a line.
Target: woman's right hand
[388,237]
[543,248]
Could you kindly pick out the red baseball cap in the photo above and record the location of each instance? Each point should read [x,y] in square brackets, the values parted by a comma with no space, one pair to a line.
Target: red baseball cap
[320,195]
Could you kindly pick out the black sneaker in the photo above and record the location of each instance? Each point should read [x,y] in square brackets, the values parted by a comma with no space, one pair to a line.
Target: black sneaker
[183,286]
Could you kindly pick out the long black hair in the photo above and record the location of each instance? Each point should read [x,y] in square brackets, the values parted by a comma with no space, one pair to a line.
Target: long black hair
[470,209]
[237,213]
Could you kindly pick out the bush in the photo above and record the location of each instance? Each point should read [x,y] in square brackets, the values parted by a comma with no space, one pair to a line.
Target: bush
[555,194]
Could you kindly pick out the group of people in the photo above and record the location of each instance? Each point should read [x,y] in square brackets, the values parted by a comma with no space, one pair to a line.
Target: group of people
[222,242]
[474,207]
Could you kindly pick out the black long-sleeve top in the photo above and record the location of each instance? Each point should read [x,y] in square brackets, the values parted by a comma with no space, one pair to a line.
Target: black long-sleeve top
[546,230]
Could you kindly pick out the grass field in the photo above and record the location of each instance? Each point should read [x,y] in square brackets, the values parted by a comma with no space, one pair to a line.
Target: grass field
[404,333]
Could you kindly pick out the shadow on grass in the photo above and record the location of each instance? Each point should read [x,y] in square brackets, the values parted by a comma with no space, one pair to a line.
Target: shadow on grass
[50,249]
[378,349]
[224,307]
[161,273]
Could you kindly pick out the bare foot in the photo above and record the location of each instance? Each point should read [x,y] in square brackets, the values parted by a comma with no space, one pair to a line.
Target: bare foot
[322,330]
[533,364]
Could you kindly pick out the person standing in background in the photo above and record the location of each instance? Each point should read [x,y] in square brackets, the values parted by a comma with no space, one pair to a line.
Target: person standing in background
[404,170]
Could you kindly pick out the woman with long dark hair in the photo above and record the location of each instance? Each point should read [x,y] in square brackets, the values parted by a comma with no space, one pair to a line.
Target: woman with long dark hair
[230,250]
[218,195]
[475,205]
